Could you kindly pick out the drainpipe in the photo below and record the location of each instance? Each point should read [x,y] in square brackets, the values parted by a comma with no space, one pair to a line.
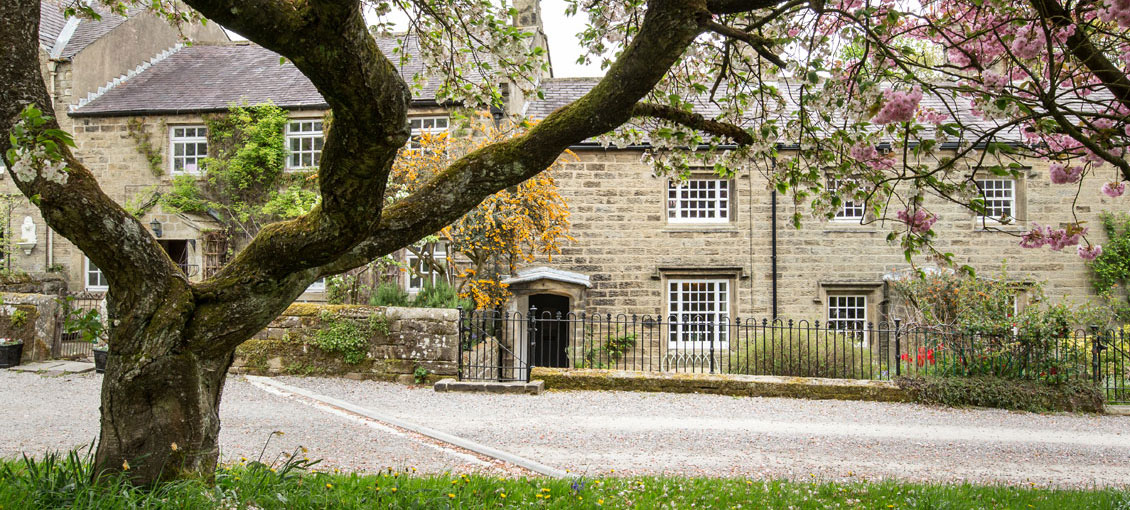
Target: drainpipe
[773,248]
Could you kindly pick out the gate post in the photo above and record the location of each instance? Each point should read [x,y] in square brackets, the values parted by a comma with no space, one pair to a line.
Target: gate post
[1096,353]
[898,348]
[531,332]
[460,339]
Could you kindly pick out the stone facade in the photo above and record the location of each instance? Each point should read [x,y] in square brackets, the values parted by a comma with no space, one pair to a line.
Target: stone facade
[628,248]
[399,340]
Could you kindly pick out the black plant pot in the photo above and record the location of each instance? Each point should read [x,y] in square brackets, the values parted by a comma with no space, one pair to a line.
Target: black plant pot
[10,355]
[100,360]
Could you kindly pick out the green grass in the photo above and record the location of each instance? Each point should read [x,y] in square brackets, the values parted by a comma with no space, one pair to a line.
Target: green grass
[62,481]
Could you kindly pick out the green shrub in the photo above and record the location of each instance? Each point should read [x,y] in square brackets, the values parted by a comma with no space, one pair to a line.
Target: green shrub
[389,294]
[604,352]
[1034,396]
[802,353]
[343,335]
[440,295]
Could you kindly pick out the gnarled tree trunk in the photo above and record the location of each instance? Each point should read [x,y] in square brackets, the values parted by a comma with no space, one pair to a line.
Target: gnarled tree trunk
[171,342]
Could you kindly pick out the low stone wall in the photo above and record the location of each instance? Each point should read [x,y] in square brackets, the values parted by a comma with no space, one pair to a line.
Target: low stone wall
[396,342]
[38,328]
[720,384]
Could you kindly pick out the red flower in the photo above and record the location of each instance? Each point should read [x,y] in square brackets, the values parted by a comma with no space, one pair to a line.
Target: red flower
[930,356]
[905,357]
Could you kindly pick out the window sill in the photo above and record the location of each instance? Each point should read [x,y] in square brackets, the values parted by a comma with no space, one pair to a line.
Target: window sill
[996,226]
[699,227]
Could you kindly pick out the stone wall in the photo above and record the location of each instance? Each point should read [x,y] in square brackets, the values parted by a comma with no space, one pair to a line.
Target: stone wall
[398,341]
[39,326]
[626,246]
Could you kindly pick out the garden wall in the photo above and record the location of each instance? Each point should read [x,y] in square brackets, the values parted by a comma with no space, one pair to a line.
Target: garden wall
[36,324]
[359,342]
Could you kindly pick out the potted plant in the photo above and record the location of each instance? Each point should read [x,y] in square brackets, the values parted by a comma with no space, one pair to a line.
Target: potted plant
[10,351]
[89,324]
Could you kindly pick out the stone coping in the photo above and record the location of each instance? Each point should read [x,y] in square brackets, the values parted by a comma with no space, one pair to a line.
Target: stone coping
[721,384]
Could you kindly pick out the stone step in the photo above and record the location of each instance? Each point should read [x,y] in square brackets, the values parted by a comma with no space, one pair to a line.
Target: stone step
[513,388]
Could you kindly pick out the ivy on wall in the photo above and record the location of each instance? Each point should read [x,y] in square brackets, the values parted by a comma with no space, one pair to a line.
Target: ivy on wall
[135,127]
[242,183]
[1111,269]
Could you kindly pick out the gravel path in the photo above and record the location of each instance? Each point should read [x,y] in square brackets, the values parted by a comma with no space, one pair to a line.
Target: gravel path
[60,413]
[631,433]
[660,433]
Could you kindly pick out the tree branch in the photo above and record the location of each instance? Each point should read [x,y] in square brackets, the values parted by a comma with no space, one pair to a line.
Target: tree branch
[694,121]
[757,43]
[669,26]
[138,269]
[736,6]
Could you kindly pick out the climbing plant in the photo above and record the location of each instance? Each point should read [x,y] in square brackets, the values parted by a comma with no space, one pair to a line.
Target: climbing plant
[1111,269]
[243,183]
[135,128]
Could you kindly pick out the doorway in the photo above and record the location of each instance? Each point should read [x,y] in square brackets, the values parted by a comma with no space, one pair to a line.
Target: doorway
[178,250]
[552,338]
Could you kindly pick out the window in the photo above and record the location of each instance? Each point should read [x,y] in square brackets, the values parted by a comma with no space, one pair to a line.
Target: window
[304,140]
[698,201]
[849,210]
[189,145]
[848,313]
[420,272]
[319,285]
[698,311]
[95,280]
[1000,197]
[422,125]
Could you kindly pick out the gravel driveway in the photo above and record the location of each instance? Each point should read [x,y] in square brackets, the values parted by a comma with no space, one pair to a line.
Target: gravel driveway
[631,433]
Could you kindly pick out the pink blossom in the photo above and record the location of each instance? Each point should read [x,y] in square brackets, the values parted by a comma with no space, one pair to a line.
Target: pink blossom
[1117,11]
[899,106]
[920,222]
[1090,252]
[1064,174]
[1028,42]
[1057,239]
[1114,189]
[867,154]
[1036,237]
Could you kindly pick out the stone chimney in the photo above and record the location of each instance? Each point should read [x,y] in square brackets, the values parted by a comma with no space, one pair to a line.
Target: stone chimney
[529,14]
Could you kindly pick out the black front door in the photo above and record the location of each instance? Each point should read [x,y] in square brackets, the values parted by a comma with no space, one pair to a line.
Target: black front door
[552,338]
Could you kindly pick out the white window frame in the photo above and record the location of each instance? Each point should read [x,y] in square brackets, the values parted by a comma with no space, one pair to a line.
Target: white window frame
[411,260]
[417,125]
[837,303]
[318,286]
[849,210]
[87,272]
[697,329]
[302,129]
[199,137]
[1010,199]
[685,205]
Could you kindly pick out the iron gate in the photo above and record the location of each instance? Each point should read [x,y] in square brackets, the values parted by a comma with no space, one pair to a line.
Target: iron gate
[69,342]
[494,345]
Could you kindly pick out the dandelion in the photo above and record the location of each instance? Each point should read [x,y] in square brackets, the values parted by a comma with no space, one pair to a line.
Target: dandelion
[392,489]
[328,485]
[125,465]
[503,495]
[174,447]
[451,495]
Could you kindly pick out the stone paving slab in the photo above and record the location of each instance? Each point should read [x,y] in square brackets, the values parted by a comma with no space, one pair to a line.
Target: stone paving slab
[56,367]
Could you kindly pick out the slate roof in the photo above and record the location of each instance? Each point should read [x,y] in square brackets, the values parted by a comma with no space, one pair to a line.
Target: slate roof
[51,23]
[208,78]
[204,78]
[559,92]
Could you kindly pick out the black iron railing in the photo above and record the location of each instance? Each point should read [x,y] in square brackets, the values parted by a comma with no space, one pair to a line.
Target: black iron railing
[498,345]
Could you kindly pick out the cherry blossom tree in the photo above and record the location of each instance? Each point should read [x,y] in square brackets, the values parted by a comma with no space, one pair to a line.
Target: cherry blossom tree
[895,100]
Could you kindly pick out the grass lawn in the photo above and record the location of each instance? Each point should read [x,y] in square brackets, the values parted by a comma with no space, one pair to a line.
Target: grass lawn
[62,482]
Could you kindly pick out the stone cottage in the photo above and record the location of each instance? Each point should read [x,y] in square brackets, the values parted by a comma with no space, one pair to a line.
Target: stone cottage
[645,245]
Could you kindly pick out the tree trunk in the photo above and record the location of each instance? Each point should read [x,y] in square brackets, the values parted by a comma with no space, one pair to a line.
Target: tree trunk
[160,417]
